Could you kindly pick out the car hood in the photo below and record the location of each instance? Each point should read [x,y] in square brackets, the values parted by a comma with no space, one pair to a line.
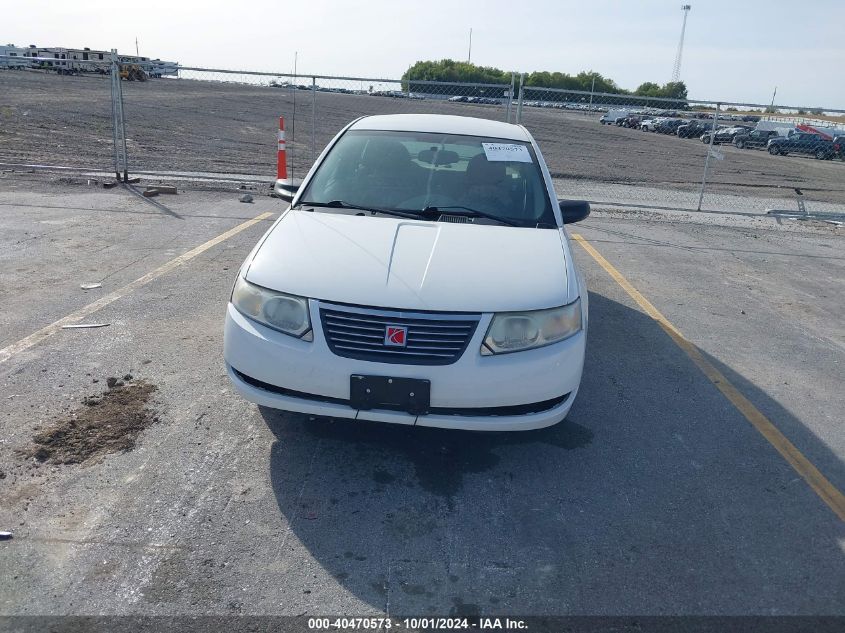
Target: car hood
[415,265]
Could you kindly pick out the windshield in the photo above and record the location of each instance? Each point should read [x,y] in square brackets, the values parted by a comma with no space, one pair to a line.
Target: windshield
[412,171]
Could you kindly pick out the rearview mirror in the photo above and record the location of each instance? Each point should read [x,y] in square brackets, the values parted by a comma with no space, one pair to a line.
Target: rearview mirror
[286,189]
[437,157]
[573,210]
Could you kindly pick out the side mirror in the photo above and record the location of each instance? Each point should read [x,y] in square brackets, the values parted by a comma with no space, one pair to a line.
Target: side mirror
[286,189]
[573,210]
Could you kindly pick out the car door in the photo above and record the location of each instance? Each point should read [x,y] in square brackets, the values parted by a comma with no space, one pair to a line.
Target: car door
[807,144]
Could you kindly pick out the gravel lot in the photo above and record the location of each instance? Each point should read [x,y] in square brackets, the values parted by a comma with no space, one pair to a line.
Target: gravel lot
[655,496]
[188,125]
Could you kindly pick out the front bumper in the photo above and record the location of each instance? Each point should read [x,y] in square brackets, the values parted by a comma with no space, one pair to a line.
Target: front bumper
[278,371]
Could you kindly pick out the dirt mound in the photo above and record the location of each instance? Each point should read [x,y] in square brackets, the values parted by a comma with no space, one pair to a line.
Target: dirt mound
[105,423]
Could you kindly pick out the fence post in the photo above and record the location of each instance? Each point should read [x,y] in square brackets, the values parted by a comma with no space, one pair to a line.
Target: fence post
[510,96]
[114,75]
[121,157]
[519,103]
[292,126]
[313,119]
[707,160]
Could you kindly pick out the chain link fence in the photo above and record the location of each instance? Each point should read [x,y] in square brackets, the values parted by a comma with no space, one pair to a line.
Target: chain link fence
[624,150]
[55,115]
[614,150]
[225,122]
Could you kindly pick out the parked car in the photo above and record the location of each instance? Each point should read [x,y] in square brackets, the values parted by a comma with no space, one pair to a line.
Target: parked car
[693,129]
[612,116]
[839,147]
[397,291]
[724,135]
[648,125]
[754,138]
[632,121]
[668,126]
[801,143]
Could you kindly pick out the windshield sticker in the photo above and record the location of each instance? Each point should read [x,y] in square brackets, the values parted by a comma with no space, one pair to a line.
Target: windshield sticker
[506,152]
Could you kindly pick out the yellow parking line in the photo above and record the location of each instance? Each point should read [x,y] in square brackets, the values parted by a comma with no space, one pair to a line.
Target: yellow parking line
[803,466]
[36,337]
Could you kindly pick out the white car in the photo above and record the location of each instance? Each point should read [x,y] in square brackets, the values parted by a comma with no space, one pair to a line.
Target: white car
[612,116]
[648,125]
[422,275]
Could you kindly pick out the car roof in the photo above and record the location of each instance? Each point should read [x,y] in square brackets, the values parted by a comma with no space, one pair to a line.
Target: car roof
[442,123]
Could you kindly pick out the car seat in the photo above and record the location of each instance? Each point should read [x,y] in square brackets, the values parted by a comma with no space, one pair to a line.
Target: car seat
[488,187]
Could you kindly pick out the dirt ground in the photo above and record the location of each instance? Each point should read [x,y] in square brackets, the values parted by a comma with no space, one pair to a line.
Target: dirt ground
[105,422]
[205,126]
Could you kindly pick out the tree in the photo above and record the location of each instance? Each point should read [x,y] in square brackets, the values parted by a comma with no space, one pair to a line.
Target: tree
[674,90]
[647,89]
[451,71]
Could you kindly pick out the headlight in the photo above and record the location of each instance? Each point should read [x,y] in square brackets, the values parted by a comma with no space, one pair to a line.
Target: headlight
[517,331]
[285,313]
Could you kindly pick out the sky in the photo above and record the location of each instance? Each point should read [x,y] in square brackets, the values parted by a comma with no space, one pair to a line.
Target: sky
[735,50]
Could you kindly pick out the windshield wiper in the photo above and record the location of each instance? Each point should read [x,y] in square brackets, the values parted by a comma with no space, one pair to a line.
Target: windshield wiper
[340,204]
[428,213]
[474,213]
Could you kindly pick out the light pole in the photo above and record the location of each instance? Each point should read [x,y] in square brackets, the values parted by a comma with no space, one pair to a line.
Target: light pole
[676,71]
[469,53]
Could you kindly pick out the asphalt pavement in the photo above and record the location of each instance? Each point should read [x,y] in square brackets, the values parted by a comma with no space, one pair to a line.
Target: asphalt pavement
[656,495]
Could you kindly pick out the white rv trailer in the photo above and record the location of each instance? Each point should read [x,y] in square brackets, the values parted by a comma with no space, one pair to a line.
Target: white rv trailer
[74,61]
[7,52]
[159,68]
[52,58]
[783,128]
[89,61]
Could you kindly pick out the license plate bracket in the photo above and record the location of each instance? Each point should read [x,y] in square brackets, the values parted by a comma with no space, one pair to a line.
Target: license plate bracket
[412,395]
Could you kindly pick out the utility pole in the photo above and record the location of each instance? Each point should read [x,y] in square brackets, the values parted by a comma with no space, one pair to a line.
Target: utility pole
[469,54]
[592,90]
[137,54]
[772,107]
[676,72]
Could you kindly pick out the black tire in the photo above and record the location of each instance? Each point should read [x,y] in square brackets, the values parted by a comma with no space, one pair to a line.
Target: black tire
[821,154]
[740,144]
[774,151]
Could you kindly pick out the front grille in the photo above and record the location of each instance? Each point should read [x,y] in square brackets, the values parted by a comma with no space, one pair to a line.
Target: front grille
[434,338]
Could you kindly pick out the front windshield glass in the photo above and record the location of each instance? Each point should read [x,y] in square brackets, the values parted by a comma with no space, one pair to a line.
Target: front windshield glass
[411,171]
